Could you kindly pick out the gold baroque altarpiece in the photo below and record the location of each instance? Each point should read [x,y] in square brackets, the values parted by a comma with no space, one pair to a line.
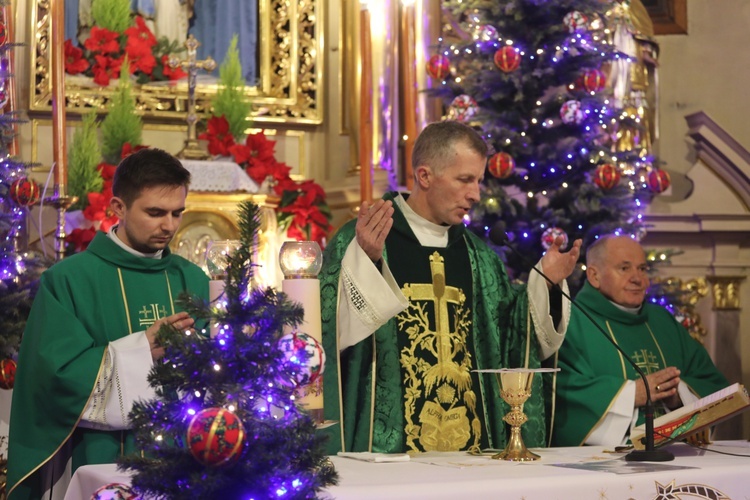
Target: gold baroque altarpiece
[289,91]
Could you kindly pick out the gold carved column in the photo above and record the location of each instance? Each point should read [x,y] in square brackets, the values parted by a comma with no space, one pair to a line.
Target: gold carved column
[725,291]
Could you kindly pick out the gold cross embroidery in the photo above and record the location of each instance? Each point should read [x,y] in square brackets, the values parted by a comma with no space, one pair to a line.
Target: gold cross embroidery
[150,314]
[646,360]
[441,295]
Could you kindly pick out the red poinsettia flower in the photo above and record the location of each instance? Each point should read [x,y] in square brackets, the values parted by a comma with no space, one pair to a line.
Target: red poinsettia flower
[218,136]
[140,56]
[128,150]
[99,210]
[308,222]
[80,238]
[140,33]
[74,61]
[311,193]
[260,147]
[102,41]
[169,72]
[286,184]
[107,170]
[280,171]
[105,69]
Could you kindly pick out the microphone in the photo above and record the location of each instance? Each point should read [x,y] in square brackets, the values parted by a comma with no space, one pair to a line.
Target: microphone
[650,453]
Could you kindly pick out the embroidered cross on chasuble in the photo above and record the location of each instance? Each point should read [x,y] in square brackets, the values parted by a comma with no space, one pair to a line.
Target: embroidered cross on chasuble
[440,405]
[145,298]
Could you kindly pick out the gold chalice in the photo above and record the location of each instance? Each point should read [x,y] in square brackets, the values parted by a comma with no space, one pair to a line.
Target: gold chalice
[515,389]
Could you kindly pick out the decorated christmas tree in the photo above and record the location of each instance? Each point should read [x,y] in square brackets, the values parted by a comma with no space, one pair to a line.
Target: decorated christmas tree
[226,423]
[19,269]
[532,75]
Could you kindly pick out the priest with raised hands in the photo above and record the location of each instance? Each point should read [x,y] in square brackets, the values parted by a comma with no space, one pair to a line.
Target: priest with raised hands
[413,304]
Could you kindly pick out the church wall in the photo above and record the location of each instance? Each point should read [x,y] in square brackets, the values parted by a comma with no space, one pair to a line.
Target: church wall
[704,70]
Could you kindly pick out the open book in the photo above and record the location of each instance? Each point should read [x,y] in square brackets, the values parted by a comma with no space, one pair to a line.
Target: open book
[694,417]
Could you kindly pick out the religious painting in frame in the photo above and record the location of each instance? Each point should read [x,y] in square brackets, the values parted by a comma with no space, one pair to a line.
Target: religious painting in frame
[288,88]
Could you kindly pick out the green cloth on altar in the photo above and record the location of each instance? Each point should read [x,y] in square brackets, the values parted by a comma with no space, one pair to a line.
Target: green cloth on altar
[593,372]
[497,332]
[84,302]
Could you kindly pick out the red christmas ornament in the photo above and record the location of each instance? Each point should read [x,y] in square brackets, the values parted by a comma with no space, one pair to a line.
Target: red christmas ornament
[24,192]
[607,176]
[439,66]
[594,80]
[3,33]
[7,373]
[501,165]
[215,436]
[507,59]
[658,181]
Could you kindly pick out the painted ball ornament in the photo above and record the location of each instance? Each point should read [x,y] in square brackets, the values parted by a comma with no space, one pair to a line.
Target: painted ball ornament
[438,66]
[594,80]
[114,491]
[549,236]
[658,181]
[7,373]
[215,436]
[507,59]
[501,165]
[3,33]
[306,353]
[24,191]
[571,112]
[575,21]
[463,108]
[606,176]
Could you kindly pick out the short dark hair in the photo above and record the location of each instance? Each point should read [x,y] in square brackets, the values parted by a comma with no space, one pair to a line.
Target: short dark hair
[147,168]
[437,140]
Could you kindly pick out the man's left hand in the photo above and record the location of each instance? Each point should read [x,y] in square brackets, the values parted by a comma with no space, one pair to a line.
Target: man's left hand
[559,265]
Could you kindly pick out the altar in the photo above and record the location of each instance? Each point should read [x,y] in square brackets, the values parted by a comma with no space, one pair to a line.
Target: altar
[562,473]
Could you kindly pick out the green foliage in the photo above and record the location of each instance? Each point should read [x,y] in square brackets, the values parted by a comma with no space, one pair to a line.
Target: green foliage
[122,123]
[281,451]
[230,100]
[83,157]
[111,14]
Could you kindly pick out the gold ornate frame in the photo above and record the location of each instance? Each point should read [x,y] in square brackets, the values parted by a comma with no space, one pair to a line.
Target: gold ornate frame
[291,70]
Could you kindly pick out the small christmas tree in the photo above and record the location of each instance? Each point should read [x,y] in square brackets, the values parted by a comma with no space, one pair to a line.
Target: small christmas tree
[19,269]
[225,423]
[230,100]
[83,157]
[122,124]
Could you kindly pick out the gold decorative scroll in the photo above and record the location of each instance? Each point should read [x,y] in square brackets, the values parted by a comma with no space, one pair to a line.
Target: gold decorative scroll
[291,70]
[726,292]
[689,292]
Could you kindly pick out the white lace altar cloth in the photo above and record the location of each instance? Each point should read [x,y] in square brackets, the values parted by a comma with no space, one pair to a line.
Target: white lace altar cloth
[219,175]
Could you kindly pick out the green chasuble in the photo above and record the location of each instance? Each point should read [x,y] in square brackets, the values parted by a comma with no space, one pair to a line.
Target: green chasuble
[84,302]
[593,372]
[410,386]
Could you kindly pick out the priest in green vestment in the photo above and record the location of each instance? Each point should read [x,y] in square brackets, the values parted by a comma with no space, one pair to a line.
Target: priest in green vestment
[599,395]
[90,339]
[413,304]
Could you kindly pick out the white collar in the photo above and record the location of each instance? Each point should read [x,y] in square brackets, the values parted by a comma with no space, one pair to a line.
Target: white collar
[113,236]
[428,233]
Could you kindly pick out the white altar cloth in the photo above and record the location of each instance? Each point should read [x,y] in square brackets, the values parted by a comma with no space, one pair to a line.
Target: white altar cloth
[219,175]
[562,473]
